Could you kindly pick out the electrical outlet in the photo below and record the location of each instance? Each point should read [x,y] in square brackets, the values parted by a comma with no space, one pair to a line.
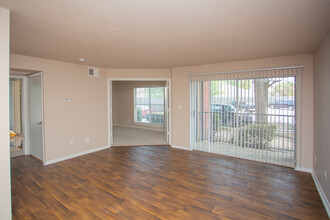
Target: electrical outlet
[87,139]
[71,142]
[325,175]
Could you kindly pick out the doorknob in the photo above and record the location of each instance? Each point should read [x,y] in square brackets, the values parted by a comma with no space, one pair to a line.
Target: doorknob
[39,123]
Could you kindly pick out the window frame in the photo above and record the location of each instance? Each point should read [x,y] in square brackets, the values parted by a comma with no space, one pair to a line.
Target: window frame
[149,105]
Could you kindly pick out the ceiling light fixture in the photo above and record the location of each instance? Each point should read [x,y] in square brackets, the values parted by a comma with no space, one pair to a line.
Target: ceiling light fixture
[81,59]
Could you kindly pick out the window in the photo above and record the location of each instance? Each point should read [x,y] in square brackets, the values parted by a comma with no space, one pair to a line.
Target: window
[149,105]
[248,115]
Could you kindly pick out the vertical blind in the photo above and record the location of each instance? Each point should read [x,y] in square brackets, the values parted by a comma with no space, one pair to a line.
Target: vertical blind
[245,114]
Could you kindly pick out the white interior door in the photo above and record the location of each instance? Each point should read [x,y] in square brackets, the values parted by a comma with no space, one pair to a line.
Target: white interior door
[35,116]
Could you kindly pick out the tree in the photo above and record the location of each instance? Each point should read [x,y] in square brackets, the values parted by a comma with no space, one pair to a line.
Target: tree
[243,84]
[283,89]
[261,98]
[218,85]
[216,88]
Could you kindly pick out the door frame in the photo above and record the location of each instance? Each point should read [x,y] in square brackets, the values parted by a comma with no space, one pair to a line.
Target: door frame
[109,104]
[42,114]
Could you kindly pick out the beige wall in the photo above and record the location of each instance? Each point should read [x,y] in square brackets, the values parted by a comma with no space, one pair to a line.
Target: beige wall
[5,197]
[123,102]
[139,73]
[84,116]
[322,114]
[180,96]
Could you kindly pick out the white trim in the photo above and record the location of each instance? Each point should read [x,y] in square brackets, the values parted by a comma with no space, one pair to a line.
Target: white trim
[321,192]
[74,155]
[298,120]
[25,116]
[132,126]
[110,125]
[303,169]
[16,77]
[35,74]
[42,115]
[169,113]
[181,148]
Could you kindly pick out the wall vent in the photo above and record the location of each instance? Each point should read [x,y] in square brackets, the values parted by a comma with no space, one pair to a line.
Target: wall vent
[93,72]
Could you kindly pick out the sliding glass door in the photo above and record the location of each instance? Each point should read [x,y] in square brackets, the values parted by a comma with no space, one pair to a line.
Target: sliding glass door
[248,115]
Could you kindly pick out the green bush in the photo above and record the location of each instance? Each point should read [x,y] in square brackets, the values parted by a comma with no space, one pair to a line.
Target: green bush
[218,120]
[156,117]
[139,114]
[255,135]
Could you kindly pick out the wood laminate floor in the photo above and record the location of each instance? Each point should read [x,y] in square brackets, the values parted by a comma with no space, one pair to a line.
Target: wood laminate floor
[160,183]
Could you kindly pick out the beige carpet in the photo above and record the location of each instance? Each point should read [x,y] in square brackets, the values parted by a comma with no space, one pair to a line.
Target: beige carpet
[124,136]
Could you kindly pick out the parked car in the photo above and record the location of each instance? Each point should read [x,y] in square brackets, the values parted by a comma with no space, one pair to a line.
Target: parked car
[243,105]
[228,114]
[283,103]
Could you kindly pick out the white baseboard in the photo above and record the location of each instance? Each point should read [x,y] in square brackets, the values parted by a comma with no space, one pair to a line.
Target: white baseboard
[74,155]
[303,169]
[321,192]
[181,148]
[138,127]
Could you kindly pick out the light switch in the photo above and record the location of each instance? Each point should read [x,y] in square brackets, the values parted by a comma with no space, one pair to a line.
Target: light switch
[180,107]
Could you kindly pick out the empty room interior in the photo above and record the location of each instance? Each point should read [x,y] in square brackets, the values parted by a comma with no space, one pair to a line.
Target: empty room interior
[165,109]
[139,113]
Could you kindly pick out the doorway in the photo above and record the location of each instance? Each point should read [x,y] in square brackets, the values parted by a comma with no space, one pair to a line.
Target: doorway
[26,113]
[139,112]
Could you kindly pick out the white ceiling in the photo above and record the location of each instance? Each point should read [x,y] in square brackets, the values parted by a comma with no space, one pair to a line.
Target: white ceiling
[165,33]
